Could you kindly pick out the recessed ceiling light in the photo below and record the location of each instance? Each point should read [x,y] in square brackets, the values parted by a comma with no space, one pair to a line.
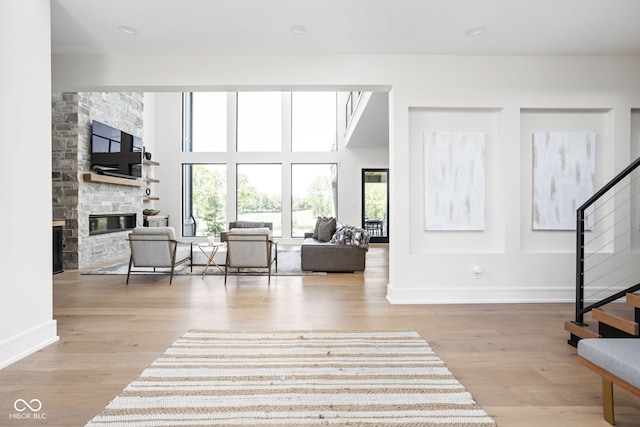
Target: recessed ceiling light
[473,32]
[130,31]
[298,30]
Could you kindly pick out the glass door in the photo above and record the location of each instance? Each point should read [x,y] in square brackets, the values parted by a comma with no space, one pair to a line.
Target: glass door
[375,204]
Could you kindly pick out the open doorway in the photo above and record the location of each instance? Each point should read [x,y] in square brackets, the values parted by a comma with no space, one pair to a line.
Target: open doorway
[375,204]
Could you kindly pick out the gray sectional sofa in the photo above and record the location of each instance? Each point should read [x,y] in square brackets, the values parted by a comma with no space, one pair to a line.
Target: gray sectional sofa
[338,248]
[317,255]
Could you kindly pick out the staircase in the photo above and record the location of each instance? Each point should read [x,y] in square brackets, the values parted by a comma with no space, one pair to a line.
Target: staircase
[608,261]
[620,320]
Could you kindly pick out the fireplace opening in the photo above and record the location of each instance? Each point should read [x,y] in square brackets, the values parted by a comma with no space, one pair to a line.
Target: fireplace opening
[111,223]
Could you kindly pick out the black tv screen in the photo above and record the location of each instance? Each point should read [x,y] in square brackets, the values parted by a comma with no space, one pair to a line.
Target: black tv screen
[104,138]
[114,152]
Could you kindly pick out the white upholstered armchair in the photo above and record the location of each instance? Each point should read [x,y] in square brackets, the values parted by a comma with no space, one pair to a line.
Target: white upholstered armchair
[250,249]
[157,247]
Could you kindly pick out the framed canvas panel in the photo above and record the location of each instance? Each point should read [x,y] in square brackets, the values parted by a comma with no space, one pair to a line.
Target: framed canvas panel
[454,164]
[563,178]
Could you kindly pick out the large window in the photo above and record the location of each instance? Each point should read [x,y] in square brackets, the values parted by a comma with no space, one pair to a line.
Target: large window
[209,121]
[313,194]
[313,117]
[259,121]
[205,117]
[208,198]
[259,195]
[279,145]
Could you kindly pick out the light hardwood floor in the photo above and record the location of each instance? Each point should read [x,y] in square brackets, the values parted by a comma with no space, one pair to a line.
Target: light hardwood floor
[513,358]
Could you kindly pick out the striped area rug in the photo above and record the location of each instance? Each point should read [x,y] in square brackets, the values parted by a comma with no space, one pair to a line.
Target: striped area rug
[296,378]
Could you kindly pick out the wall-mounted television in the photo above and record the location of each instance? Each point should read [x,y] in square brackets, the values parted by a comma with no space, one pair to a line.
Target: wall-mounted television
[114,152]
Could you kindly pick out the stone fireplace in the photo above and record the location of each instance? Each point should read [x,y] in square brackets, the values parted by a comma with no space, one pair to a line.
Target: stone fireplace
[76,201]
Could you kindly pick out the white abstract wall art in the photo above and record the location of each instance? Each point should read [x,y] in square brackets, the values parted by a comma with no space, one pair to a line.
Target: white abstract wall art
[454,176]
[563,178]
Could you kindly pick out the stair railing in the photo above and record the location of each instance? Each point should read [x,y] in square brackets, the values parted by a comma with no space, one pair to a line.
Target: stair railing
[604,253]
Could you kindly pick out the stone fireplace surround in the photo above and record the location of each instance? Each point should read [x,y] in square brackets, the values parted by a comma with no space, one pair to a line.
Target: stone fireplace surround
[74,199]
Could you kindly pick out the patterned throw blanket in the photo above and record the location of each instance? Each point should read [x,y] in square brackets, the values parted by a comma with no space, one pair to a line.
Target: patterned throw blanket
[350,235]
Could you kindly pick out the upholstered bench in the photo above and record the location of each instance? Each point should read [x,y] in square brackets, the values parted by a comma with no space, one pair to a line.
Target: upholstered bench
[617,361]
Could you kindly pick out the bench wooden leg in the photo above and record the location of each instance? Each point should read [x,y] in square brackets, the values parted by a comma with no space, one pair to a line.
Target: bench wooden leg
[607,401]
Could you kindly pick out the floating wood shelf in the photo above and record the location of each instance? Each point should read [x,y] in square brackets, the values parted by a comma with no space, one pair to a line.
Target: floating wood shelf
[150,162]
[150,180]
[94,177]
[149,198]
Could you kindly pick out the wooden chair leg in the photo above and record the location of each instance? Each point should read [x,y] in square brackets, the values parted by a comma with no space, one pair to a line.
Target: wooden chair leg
[607,402]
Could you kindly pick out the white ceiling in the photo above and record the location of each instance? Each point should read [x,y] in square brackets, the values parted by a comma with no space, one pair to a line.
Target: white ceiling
[512,27]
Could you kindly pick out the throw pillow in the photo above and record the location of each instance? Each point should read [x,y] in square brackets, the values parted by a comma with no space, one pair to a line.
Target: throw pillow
[326,228]
[315,229]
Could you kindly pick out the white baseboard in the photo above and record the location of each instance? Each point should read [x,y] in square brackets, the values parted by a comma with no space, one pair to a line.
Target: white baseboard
[27,343]
[479,295]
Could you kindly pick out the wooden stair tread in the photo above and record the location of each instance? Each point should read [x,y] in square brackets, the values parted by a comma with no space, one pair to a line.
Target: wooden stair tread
[619,320]
[633,300]
[615,319]
[588,331]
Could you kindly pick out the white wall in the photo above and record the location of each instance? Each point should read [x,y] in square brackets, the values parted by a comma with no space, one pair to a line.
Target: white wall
[26,318]
[502,95]
[507,98]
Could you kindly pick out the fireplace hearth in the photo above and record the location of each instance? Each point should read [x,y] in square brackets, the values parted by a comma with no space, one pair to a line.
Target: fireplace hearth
[111,223]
